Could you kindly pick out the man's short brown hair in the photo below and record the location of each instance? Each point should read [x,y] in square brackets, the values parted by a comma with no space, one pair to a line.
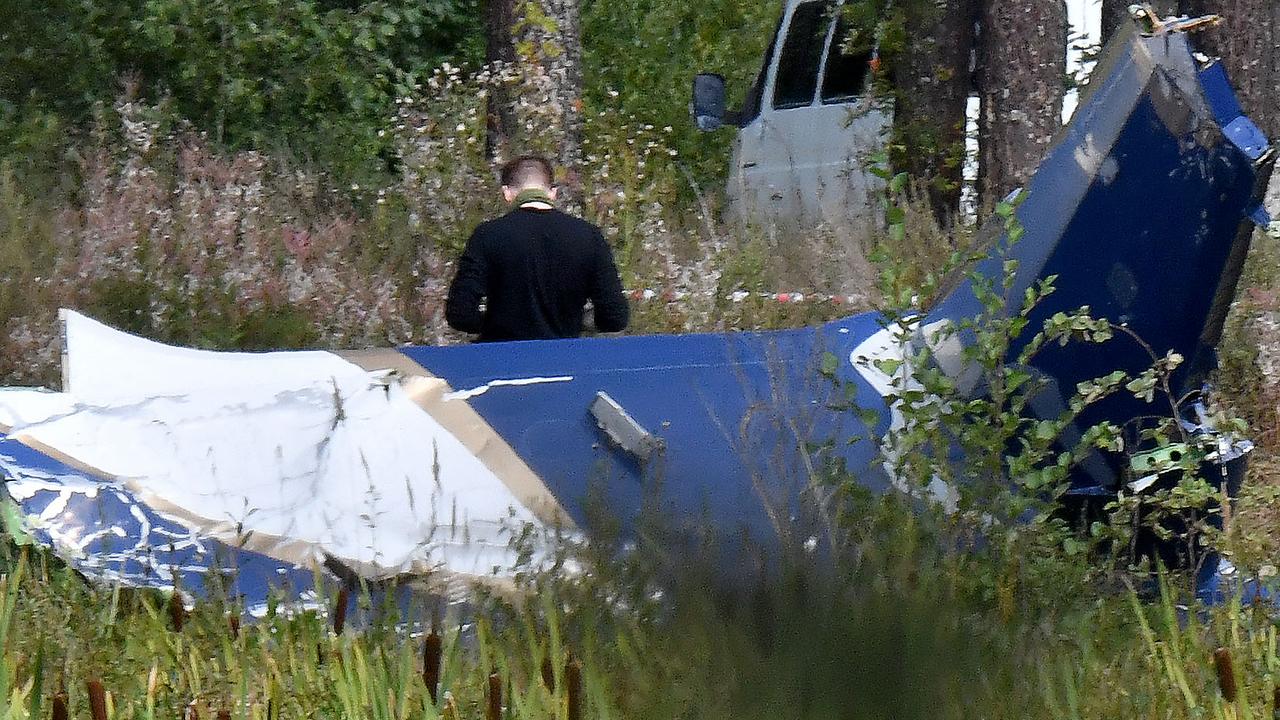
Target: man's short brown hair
[528,170]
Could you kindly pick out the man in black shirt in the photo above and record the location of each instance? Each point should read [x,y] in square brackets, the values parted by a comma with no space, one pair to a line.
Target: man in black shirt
[534,268]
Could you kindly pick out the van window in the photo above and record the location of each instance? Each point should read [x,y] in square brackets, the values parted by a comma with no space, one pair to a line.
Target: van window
[797,79]
[845,76]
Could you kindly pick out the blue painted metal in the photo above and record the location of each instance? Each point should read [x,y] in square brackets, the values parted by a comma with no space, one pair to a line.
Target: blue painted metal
[1142,211]
[734,410]
[118,538]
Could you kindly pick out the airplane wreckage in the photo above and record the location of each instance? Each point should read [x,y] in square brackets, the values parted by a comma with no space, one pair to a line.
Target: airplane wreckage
[167,467]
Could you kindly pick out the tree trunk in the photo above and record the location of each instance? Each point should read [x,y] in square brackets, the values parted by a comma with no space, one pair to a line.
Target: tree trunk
[932,79]
[539,108]
[566,73]
[499,52]
[1021,74]
[1247,41]
[1114,14]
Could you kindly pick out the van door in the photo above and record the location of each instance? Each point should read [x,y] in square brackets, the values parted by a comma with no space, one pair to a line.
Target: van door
[803,157]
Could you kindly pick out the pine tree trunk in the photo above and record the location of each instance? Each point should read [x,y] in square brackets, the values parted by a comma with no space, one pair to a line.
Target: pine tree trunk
[1248,41]
[1114,14]
[1022,57]
[566,73]
[499,52]
[932,78]
[538,109]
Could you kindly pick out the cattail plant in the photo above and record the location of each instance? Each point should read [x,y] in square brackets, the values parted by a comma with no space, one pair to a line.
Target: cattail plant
[431,649]
[340,611]
[548,673]
[493,698]
[1226,673]
[97,699]
[177,612]
[573,688]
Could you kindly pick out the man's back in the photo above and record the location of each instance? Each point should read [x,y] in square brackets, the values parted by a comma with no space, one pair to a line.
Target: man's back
[535,269]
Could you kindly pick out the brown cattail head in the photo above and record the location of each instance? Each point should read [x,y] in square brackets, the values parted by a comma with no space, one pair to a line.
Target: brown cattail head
[340,611]
[233,626]
[548,673]
[60,706]
[1226,673]
[431,664]
[493,699]
[224,714]
[573,688]
[177,611]
[97,699]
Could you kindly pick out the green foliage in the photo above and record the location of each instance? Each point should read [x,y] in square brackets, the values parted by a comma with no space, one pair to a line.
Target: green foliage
[906,631]
[314,78]
[975,406]
[26,247]
[646,51]
[963,396]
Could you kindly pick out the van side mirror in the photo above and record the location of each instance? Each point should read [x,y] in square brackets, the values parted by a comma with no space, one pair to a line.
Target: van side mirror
[708,101]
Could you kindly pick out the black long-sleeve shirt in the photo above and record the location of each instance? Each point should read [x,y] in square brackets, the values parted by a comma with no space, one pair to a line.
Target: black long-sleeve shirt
[535,270]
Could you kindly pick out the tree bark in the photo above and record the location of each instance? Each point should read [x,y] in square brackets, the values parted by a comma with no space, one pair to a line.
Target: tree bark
[537,107]
[1114,14]
[1248,41]
[540,43]
[499,52]
[1021,75]
[565,67]
[932,79]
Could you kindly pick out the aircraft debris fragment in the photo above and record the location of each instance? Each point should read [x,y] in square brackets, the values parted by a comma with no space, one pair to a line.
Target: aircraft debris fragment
[251,473]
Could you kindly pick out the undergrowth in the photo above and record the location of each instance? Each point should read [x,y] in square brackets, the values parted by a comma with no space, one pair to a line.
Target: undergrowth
[904,630]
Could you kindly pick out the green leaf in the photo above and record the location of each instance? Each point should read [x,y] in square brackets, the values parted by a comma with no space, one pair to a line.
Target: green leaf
[888,366]
[829,363]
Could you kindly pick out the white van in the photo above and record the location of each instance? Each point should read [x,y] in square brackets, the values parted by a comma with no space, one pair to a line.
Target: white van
[808,128]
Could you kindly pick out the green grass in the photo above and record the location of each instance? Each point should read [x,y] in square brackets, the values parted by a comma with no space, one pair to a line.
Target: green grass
[903,630]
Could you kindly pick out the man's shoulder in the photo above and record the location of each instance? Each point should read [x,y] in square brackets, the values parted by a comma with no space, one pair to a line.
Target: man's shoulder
[555,217]
[574,222]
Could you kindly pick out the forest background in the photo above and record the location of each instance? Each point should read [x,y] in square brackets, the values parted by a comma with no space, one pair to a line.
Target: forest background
[281,173]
